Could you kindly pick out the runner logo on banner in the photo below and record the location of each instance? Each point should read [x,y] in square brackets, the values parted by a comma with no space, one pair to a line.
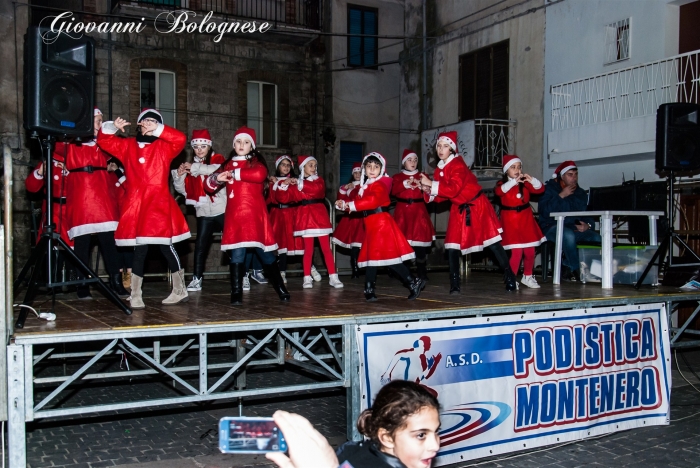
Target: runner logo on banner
[516,382]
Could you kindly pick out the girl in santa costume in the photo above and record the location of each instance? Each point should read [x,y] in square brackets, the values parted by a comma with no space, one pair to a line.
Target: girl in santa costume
[521,234]
[92,205]
[282,215]
[350,231]
[410,213]
[188,179]
[384,244]
[312,219]
[34,183]
[246,222]
[151,215]
[473,223]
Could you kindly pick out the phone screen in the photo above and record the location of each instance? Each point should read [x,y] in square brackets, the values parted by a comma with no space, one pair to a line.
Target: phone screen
[250,435]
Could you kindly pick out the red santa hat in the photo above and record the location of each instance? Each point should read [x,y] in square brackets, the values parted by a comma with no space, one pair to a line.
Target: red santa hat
[147,113]
[282,158]
[302,160]
[407,153]
[201,137]
[509,160]
[96,112]
[356,167]
[448,137]
[563,168]
[245,133]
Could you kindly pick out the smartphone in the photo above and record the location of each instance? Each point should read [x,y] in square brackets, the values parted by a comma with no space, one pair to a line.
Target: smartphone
[250,435]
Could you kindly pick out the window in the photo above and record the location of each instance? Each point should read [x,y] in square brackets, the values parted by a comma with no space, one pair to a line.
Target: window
[350,153]
[262,112]
[484,83]
[617,41]
[158,92]
[362,51]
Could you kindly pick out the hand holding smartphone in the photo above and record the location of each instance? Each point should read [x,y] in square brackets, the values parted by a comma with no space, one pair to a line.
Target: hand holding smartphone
[250,435]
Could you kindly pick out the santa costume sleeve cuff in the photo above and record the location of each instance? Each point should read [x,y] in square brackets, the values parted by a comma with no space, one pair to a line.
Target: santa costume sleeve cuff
[121,180]
[536,184]
[159,130]
[38,174]
[407,184]
[509,185]
[351,206]
[237,174]
[109,128]
[212,182]
[434,188]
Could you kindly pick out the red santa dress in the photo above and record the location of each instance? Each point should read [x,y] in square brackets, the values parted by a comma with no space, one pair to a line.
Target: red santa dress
[520,229]
[410,213]
[473,223]
[350,231]
[35,183]
[384,242]
[91,194]
[150,215]
[312,218]
[246,222]
[282,216]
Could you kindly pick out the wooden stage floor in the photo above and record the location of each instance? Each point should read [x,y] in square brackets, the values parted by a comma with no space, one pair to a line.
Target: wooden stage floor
[482,293]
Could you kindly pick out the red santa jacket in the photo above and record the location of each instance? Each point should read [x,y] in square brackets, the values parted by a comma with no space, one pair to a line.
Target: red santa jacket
[150,214]
[246,222]
[410,213]
[350,231]
[520,229]
[282,216]
[384,242]
[35,183]
[92,197]
[312,219]
[473,223]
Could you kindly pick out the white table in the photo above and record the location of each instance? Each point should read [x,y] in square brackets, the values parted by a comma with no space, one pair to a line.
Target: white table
[606,233]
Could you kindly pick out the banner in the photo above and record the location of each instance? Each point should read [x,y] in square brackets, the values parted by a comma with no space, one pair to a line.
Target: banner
[515,382]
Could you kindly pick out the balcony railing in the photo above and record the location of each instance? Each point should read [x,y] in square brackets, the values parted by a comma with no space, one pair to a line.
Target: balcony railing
[629,92]
[493,139]
[300,13]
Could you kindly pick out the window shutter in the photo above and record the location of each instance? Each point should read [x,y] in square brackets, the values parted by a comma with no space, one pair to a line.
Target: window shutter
[370,27]
[354,43]
[483,84]
[499,92]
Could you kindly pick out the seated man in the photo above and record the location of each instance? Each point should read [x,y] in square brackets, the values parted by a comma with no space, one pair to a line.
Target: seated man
[562,193]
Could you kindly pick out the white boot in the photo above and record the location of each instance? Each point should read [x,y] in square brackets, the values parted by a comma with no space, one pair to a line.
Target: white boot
[308,282]
[179,292]
[530,281]
[334,281]
[315,274]
[136,298]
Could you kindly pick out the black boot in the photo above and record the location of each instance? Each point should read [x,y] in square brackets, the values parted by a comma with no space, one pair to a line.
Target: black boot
[415,285]
[237,272]
[83,291]
[370,295]
[455,283]
[355,268]
[272,271]
[115,282]
[421,270]
[510,280]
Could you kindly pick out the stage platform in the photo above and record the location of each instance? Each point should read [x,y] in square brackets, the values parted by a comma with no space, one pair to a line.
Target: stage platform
[203,348]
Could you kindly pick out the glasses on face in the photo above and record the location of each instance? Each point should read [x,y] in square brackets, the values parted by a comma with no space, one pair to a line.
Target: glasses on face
[149,120]
[200,147]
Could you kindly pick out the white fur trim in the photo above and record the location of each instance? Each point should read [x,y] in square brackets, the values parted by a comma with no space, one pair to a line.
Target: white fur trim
[313,232]
[510,163]
[434,189]
[259,245]
[406,184]
[476,248]
[453,144]
[523,246]
[413,243]
[509,185]
[237,174]
[403,160]
[351,206]
[94,228]
[409,172]
[389,261]
[244,135]
[96,112]
[357,169]
[109,128]
[200,141]
[564,171]
[536,184]
[442,163]
[159,130]
[37,174]
[343,244]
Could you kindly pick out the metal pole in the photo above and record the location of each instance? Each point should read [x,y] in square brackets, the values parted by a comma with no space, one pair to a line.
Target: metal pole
[7,221]
[425,72]
[16,429]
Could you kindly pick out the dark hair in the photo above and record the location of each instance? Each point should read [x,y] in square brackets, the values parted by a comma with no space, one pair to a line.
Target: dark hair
[352,177]
[370,159]
[292,171]
[253,155]
[207,157]
[395,402]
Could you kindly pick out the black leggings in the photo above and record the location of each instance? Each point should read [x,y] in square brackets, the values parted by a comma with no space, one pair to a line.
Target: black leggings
[498,252]
[107,247]
[421,253]
[168,251]
[400,269]
[205,231]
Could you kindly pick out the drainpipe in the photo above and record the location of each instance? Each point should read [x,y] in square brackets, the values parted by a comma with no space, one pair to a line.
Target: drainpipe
[425,72]
[109,74]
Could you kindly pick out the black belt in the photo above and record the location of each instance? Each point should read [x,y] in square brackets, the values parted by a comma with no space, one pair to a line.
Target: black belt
[410,201]
[467,206]
[61,200]
[516,208]
[381,209]
[282,205]
[88,169]
[312,201]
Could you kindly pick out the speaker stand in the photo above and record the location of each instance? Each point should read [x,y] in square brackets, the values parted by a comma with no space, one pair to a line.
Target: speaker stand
[665,250]
[42,257]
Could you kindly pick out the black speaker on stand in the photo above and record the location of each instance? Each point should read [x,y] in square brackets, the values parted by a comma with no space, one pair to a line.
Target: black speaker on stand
[677,150]
[58,104]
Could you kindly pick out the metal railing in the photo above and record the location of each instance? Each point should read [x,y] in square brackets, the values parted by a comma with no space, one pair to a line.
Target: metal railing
[493,138]
[628,92]
[301,13]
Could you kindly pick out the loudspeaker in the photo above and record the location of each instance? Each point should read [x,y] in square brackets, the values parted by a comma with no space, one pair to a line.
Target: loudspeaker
[59,84]
[677,137]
